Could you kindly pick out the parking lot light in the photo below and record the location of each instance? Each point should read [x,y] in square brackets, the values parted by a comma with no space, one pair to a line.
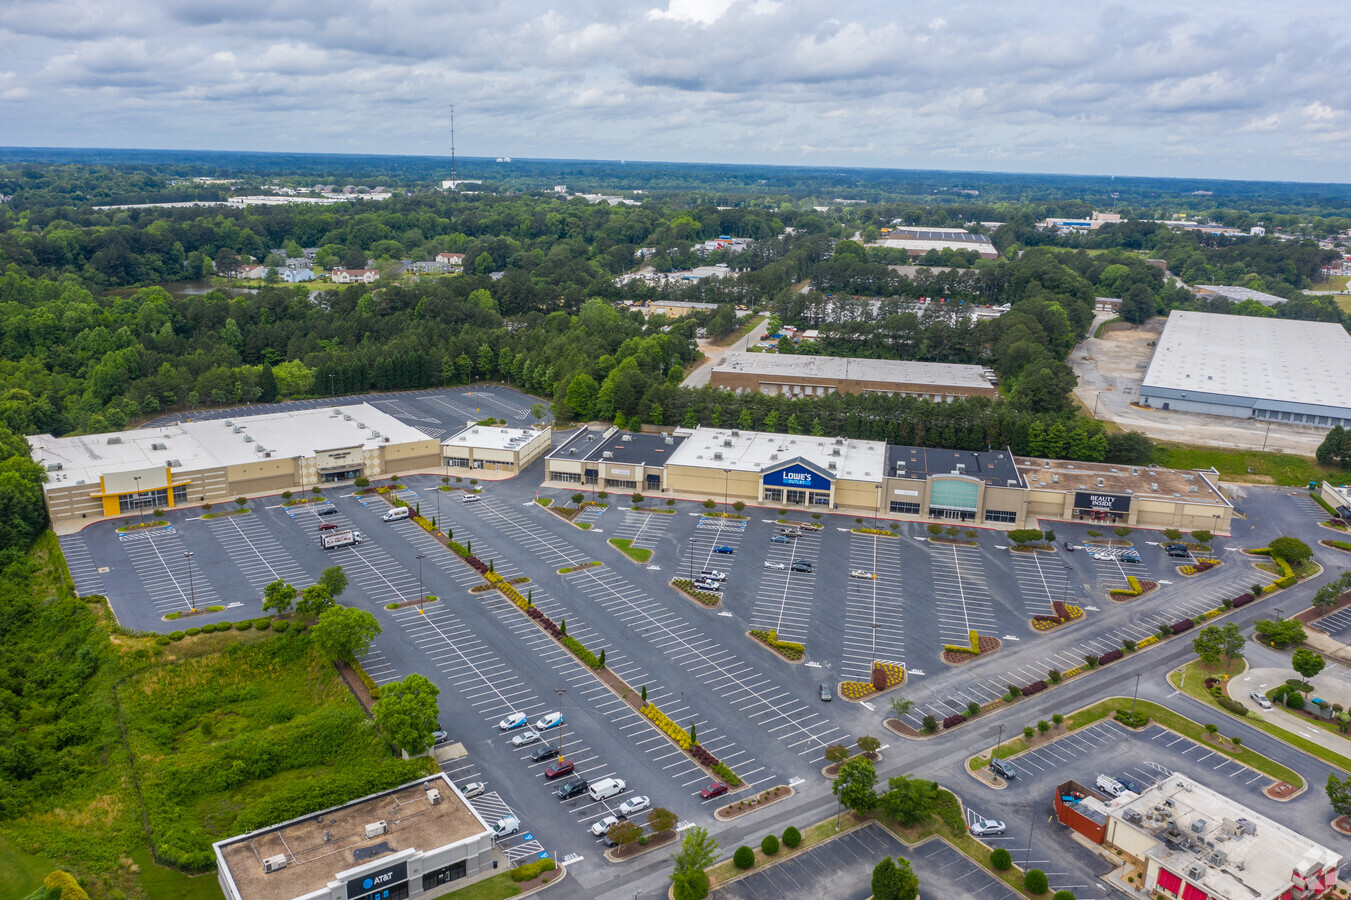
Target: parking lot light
[192,590]
[1137,692]
[876,625]
[999,743]
[560,692]
[693,542]
[421,594]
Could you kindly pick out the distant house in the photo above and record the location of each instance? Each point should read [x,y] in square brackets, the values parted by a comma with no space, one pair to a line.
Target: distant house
[252,271]
[454,259]
[354,276]
[294,276]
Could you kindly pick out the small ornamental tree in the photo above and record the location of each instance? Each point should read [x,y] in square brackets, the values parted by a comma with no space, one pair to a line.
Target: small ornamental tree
[769,845]
[1001,859]
[1036,881]
[661,820]
[1202,536]
[836,753]
[1292,550]
[744,857]
[791,836]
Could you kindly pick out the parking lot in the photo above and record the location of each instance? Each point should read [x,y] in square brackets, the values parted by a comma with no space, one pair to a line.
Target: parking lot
[842,868]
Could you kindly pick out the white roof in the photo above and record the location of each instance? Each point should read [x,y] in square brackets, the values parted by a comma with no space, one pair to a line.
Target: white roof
[1257,865]
[756,451]
[1241,293]
[852,368]
[210,443]
[1243,356]
[492,437]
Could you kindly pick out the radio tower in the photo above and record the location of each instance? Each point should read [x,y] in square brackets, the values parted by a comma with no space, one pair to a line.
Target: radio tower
[454,186]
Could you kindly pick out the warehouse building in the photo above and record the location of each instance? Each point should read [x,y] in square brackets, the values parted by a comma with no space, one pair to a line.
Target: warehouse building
[871,478]
[97,476]
[919,241]
[422,839]
[1280,370]
[493,449]
[1194,843]
[793,375]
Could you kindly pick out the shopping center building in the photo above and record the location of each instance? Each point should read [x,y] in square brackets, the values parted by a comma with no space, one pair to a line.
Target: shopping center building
[96,476]
[491,449]
[422,839]
[871,478]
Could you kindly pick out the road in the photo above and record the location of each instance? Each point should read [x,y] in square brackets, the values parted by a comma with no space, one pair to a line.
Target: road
[713,354]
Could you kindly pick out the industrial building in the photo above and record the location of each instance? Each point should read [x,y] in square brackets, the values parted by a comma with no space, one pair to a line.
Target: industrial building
[1193,843]
[1237,294]
[95,476]
[493,448]
[1280,370]
[422,839]
[919,241]
[817,376]
[871,478]
[1338,496]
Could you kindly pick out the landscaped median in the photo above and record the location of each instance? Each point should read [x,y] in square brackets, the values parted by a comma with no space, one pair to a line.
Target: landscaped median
[1162,716]
[703,598]
[1135,588]
[1190,679]
[625,546]
[690,744]
[793,652]
[1065,613]
[885,676]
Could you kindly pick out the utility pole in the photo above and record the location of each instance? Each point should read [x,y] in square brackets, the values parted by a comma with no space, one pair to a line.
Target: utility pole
[999,743]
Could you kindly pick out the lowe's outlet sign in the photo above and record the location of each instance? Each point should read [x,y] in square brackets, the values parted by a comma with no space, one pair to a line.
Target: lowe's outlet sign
[797,477]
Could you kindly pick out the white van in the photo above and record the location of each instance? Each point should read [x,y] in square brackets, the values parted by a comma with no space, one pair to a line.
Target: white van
[1110,786]
[606,788]
[397,513]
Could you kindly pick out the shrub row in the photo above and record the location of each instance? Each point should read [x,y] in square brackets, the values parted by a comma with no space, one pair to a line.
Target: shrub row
[955,648]
[579,651]
[1232,705]
[532,870]
[1340,545]
[723,771]
[477,564]
[1110,656]
[1243,600]
[788,649]
[1181,626]
[666,726]
[708,598]
[1135,589]
[702,756]
[1035,687]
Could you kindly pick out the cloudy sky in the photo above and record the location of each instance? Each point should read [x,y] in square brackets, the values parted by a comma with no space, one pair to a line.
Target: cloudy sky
[1233,89]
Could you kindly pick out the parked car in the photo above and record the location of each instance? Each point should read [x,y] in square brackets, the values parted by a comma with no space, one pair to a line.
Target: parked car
[779,539]
[543,752]
[1068,546]
[548,721]
[1130,556]
[1260,699]
[716,789]
[774,565]
[708,584]
[724,548]
[470,498]
[1003,769]
[801,565]
[713,575]
[861,573]
[1128,783]
[1177,551]
[982,827]
[791,532]
[505,826]
[513,720]
[823,690]
[571,788]
[529,736]
[326,511]
[560,768]
[634,805]
[473,788]
[439,737]
[327,526]
[602,826]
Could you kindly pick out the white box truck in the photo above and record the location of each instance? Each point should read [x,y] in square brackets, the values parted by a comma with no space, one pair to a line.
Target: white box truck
[346,537]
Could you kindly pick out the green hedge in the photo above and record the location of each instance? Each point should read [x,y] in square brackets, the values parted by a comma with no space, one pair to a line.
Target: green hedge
[730,778]
[579,650]
[244,626]
[744,857]
[280,625]
[532,870]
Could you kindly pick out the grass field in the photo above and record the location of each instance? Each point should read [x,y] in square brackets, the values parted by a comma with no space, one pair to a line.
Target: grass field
[1281,468]
[495,888]
[1344,303]
[625,546]
[20,873]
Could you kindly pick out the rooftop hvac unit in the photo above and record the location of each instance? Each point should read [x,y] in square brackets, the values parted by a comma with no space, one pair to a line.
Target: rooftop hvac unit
[268,454]
[229,422]
[173,463]
[54,467]
[1134,817]
[1135,470]
[832,465]
[158,447]
[727,442]
[114,440]
[669,439]
[375,829]
[839,440]
[361,424]
[718,455]
[334,414]
[433,796]
[1100,482]
[274,863]
[1055,479]
[1193,489]
[375,434]
[961,468]
[248,439]
[1046,464]
[1218,858]
[1198,826]
[1154,486]
[572,451]
[773,456]
[1196,871]
[346,417]
[607,455]
[237,430]
[735,433]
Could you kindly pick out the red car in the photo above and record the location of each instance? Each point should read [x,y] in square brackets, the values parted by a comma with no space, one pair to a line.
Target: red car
[327,526]
[716,789]
[562,767]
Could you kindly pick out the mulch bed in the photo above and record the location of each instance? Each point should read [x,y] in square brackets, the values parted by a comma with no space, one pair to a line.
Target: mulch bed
[987,645]
[621,687]
[1146,587]
[751,804]
[408,603]
[653,842]
[1342,824]
[539,880]
[1329,544]
[905,730]
[960,542]
[1032,549]
[833,769]
[1280,790]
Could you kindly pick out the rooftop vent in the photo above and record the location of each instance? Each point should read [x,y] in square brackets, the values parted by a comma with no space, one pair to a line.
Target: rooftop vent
[385,439]
[361,424]
[773,456]
[375,829]
[54,467]
[237,430]
[433,796]
[248,439]
[1100,482]
[274,863]
[114,440]
[172,463]
[229,422]
[158,446]
[1153,485]
[832,465]
[961,468]
[735,433]
[1193,489]
[572,451]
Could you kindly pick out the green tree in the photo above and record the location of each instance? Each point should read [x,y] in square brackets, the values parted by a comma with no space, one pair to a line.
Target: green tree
[345,633]
[581,394]
[836,753]
[1216,642]
[1280,634]
[697,851]
[278,596]
[1001,859]
[334,579]
[1306,662]
[406,713]
[661,820]
[744,857]
[1329,594]
[910,801]
[1339,794]
[1138,304]
[854,786]
[625,833]
[907,882]
[884,879]
[1036,882]
[483,264]
[314,600]
[1335,451]
[267,384]
[1292,550]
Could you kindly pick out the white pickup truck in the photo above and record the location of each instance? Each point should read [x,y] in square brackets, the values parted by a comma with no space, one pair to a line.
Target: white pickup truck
[346,537]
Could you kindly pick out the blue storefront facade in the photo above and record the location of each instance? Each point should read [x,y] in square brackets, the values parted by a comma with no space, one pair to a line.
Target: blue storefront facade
[797,483]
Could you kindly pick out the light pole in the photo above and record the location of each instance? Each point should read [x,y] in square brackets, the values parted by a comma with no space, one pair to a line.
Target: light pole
[1066,592]
[331,393]
[693,542]
[1137,692]
[421,594]
[1030,830]
[1267,435]
[139,504]
[1095,404]
[192,589]
[876,625]
[999,743]
[726,476]
[560,692]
